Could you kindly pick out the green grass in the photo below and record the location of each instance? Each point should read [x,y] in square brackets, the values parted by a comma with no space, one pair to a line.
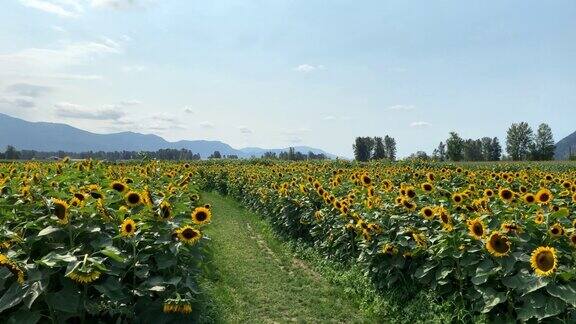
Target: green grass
[254,277]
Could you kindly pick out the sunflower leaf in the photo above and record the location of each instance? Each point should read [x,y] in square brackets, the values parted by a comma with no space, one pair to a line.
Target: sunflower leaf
[565,292]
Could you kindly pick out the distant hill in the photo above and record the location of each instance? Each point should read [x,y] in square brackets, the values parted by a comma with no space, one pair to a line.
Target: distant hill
[51,137]
[563,147]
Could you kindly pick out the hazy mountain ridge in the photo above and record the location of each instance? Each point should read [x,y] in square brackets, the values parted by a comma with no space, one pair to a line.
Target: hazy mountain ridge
[48,137]
[564,145]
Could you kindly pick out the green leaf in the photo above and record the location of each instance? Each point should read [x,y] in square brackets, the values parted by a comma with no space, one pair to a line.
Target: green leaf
[48,230]
[565,292]
[52,259]
[12,297]
[113,253]
[24,316]
[33,292]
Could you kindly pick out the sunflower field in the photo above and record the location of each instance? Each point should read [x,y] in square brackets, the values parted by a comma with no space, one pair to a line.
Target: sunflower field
[88,241]
[498,238]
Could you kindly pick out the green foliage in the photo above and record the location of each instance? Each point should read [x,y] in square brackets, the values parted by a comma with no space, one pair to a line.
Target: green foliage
[81,267]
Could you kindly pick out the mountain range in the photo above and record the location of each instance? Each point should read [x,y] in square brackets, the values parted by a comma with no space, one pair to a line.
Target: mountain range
[52,137]
[566,146]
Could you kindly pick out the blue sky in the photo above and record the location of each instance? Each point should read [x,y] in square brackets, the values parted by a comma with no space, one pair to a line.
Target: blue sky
[281,73]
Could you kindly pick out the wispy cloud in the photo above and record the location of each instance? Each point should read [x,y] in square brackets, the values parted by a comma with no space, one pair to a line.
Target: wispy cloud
[16,103]
[245,130]
[207,124]
[74,111]
[120,4]
[307,68]
[420,124]
[62,8]
[401,108]
[133,68]
[189,110]
[28,90]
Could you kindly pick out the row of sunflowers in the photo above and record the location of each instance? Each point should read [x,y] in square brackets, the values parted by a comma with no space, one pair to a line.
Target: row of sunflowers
[88,241]
[500,238]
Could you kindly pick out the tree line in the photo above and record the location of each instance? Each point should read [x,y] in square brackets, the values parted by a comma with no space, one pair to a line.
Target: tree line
[12,153]
[293,155]
[522,144]
[374,148]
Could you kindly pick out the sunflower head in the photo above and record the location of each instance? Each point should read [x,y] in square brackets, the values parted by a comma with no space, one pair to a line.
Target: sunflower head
[133,198]
[128,228]
[544,196]
[506,194]
[556,230]
[457,198]
[165,210]
[60,210]
[498,245]
[426,186]
[201,215]
[529,198]
[188,234]
[427,213]
[544,261]
[118,186]
[476,228]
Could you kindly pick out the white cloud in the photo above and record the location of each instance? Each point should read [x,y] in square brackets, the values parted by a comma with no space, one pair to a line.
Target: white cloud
[401,108]
[420,124]
[206,124]
[329,118]
[58,29]
[16,102]
[189,110]
[307,68]
[119,4]
[28,90]
[130,102]
[62,8]
[74,111]
[36,60]
[245,130]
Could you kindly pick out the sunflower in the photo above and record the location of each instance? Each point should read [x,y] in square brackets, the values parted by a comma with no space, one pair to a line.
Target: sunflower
[118,186]
[177,306]
[573,239]
[574,198]
[201,215]
[544,196]
[12,267]
[366,180]
[188,234]
[389,249]
[529,198]
[506,194]
[420,239]
[544,261]
[457,198]
[498,245]
[408,204]
[84,277]
[165,210]
[476,228]
[128,228]
[427,212]
[60,210]
[426,186]
[556,230]
[133,198]
[510,227]
[539,218]
[488,193]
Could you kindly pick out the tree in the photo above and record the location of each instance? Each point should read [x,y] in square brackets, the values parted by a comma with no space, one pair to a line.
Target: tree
[11,153]
[519,141]
[495,150]
[454,147]
[390,147]
[215,155]
[379,149]
[544,147]
[472,150]
[363,148]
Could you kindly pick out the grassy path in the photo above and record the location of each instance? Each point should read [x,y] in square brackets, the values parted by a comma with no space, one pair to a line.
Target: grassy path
[254,277]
